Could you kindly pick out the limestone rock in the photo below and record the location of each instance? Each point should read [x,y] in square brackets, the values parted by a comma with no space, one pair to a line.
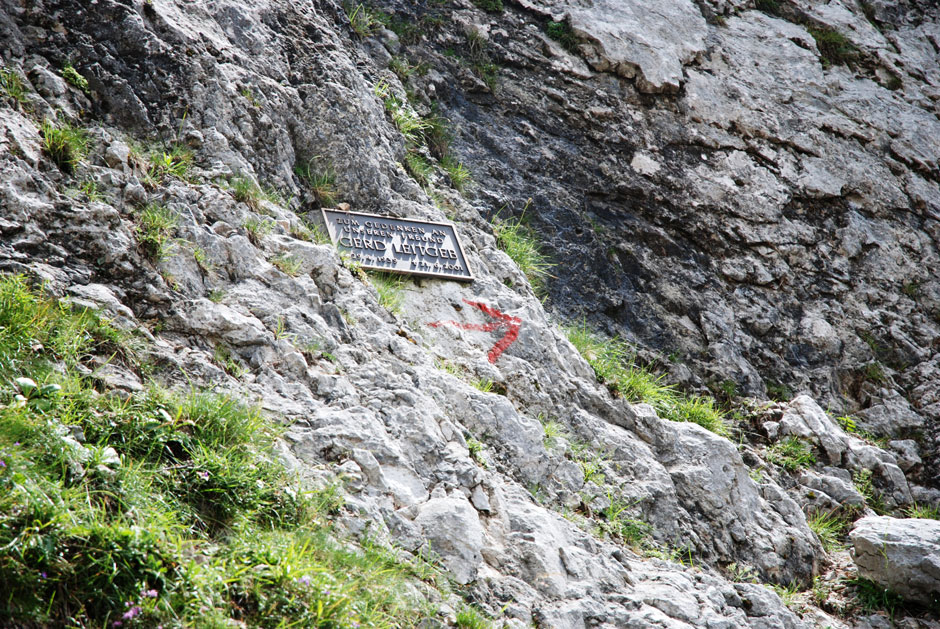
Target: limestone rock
[902,555]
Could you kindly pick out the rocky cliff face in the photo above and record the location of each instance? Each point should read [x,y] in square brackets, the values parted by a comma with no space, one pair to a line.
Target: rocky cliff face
[754,193]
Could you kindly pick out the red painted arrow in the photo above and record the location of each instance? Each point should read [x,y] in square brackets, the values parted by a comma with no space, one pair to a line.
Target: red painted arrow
[502,321]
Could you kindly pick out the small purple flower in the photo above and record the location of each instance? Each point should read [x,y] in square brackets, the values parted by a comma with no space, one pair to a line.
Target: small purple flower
[204,475]
[117,623]
[132,613]
[16,443]
[149,594]
[2,463]
[304,580]
[43,575]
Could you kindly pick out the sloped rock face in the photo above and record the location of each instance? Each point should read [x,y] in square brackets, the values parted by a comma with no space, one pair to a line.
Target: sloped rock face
[902,555]
[716,256]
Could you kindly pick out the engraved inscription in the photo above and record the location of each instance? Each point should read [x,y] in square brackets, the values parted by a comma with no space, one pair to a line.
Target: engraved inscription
[399,245]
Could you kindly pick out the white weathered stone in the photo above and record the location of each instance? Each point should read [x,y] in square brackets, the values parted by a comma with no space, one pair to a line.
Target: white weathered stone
[902,555]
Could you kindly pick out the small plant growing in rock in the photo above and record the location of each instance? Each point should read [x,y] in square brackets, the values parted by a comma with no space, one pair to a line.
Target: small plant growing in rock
[257,229]
[457,173]
[245,190]
[490,6]
[65,144]
[418,167]
[864,484]
[389,291]
[872,597]
[518,240]
[791,454]
[173,162]
[155,226]
[320,178]
[834,47]
[829,528]
[619,525]
[563,34]
[770,7]
[362,20]
[89,188]
[476,451]
[223,356]
[469,617]
[216,295]
[482,384]
[287,263]
[789,594]
[73,78]
[553,431]
[924,512]
[13,86]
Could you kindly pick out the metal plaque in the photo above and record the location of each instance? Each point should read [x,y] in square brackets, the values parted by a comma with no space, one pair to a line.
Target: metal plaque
[399,245]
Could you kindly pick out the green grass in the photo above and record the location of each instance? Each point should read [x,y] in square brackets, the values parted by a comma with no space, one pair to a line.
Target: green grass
[792,454]
[388,287]
[257,229]
[470,617]
[490,6]
[155,226]
[172,511]
[553,431]
[174,161]
[418,167]
[13,85]
[770,7]
[925,512]
[834,47]
[245,190]
[829,528]
[362,20]
[320,177]
[457,173]
[519,242]
[73,78]
[614,364]
[862,479]
[625,529]
[65,144]
[563,34]
[872,597]
[287,263]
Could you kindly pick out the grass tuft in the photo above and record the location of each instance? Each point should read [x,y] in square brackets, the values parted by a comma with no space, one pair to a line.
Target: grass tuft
[73,78]
[792,454]
[64,144]
[614,364]
[829,528]
[13,85]
[470,617]
[388,287]
[155,227]
[519,242]
[834,47]
[490,6]
[924,512]
[287,263]
[320,178]
[563,34]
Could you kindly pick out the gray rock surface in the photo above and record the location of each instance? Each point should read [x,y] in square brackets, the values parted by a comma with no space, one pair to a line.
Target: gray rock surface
[741,206]
[902,555]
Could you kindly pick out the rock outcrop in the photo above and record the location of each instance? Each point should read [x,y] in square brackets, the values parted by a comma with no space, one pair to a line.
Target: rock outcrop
[901,555]
[709,184]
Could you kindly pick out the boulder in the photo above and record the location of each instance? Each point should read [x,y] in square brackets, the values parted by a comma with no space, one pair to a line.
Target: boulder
[902,555]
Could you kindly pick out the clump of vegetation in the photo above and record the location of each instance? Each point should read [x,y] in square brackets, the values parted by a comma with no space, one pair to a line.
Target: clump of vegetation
[457,173]
[320,177]
[615,364]
[792,454]
[418,167]
[623,528]
[874,598]
[73,78]
[66,145]
[563,34]
[13,86]
[829,528]
[834,47]
[287,263]
[518,240]
[172,161]
[257,229]
[778,391]
[490,6]
[155,226]
[925,512]
[862,479]
[245,190]
[170,510]
[770,7]
[362,20]
[388,287]
[470,617]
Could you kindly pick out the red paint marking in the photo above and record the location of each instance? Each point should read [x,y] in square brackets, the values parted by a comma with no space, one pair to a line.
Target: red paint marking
[503,321]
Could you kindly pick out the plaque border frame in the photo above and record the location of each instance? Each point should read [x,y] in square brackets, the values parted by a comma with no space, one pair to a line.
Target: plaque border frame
[439,276]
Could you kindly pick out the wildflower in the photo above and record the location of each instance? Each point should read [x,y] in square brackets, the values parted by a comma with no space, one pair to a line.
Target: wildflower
[149,594]
[43,575]
[305,580]
[2,464]
[204,475]
[117,623]
[132,613]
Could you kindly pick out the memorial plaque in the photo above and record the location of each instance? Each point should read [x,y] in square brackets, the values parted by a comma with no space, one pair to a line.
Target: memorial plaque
[399,245]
